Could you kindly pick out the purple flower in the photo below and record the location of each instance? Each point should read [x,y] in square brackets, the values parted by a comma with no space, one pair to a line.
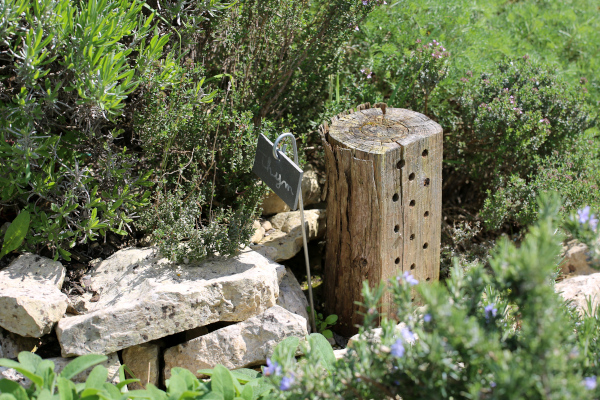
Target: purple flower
[584,215]
[490,310]
[384,2]
[356,28]
[427,318]
[272,368]
[408,335]
[593,222]
[492,384]
[369,76]
[590,382]
[365,3]
[286,382]
[398,349]
[362,70]
[409,278]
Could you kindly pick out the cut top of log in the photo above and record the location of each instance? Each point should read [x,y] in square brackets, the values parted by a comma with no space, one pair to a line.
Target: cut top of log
[372,131]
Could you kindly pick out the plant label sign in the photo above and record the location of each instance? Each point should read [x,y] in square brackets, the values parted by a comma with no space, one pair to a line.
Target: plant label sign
[282,175]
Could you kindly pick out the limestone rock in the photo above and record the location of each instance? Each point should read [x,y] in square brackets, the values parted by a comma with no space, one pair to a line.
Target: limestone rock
[272,204]
[112,364]
[143,297]
[143,360]
[339,354]
[267,226]
[374,335]
[286,239]
[311,189]
[311,194]
[266,251]
[12,344]
[30,298]
[576,260]
[292,298]
[579,288]
[259,232]
[241,345]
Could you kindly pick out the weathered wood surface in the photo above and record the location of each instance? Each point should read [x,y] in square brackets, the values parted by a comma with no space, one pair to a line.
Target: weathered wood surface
[383,203]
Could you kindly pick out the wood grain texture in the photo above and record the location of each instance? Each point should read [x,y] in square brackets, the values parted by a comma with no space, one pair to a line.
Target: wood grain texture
[383,203]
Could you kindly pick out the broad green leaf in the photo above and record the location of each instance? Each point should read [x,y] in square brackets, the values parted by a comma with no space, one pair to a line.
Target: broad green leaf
[89,392]
[15,234]
[248,392]
[14,389]
[97,377]
[244,375]
[321,346]
[112,390]
[176,385]
[17,366]
[65,389]
[29,360]
[223,382]
[80,364]
[45,395]
[332,319]
[7,396]
[286,349]
[212,396]
[124,382]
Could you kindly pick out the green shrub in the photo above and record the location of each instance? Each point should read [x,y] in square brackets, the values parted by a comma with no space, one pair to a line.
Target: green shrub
[511,117]
[70,68]
[504,334]
[574,172]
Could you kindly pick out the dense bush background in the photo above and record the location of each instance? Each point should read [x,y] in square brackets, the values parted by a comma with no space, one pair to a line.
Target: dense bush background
[116,110]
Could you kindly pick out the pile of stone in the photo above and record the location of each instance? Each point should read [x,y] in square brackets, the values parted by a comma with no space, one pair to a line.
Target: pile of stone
[154,315]
[582,282]
[136,299]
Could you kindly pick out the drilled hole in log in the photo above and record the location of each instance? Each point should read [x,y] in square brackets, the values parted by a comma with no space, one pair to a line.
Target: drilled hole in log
[426,245]
[396,228]
[397,260]
[412,203]
[412,237]
[413,266]
[411,177]
[426,182]
[428,279]
[395,197]
[401,164]
[426,214]
[425,153]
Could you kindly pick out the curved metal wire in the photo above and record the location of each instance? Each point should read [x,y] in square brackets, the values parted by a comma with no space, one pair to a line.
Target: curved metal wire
[301,205]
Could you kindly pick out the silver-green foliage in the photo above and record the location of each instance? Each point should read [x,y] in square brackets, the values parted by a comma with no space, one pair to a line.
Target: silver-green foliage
[69,68]
[489,334]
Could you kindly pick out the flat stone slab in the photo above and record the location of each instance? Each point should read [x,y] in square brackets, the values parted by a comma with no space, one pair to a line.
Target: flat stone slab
[30,298]
[12,344]
[578,289]
[292,298]
[143,296]
[236,346]
[286,237]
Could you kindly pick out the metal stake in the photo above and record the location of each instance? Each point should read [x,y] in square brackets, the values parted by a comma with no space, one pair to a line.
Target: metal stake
[301,204]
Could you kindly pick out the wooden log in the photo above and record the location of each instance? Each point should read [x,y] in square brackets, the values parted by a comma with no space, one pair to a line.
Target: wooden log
[384,181]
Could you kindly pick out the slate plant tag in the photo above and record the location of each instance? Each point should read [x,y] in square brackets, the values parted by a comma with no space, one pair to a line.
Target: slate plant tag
[283,176]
